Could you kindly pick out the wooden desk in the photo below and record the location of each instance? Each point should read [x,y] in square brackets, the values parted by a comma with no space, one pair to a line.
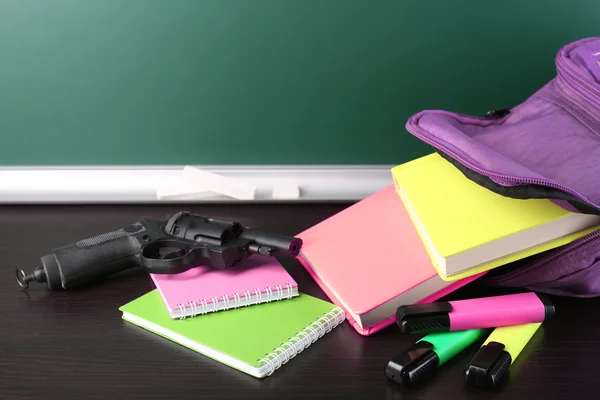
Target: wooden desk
[74,345]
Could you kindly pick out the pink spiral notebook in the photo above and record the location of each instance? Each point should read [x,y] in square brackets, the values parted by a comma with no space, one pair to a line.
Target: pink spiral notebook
[369,259]
[203,289]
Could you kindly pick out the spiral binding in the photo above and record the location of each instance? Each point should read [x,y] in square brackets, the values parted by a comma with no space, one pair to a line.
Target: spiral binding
[204,306]
[302,340]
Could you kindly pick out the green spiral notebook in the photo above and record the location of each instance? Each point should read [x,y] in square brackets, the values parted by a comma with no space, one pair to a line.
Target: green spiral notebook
[256,340]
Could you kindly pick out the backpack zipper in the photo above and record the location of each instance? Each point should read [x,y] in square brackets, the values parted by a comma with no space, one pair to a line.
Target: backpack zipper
[496,114]
[572,76]
[458,155]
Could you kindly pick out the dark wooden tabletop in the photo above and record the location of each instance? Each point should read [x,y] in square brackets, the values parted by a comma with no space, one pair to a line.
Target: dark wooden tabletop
[74,344]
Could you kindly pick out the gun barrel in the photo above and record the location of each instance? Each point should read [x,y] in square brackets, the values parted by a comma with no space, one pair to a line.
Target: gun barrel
[217,232]
[287,246]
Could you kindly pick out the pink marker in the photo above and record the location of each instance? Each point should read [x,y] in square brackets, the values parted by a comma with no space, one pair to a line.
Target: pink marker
[484,312]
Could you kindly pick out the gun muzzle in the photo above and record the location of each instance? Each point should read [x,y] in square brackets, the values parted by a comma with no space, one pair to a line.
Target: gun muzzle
[277,245]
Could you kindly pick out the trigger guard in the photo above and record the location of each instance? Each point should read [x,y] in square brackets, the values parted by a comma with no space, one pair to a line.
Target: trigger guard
[152,263]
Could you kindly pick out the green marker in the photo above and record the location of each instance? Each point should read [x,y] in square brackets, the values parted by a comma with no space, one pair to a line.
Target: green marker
[420,362]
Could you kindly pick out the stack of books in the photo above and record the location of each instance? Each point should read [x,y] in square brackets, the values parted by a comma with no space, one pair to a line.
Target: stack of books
[431,231]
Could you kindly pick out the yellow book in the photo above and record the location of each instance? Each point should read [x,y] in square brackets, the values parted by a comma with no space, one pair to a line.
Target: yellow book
[468,229]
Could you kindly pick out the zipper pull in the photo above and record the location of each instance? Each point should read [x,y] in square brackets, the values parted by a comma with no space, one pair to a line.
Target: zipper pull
[495,114]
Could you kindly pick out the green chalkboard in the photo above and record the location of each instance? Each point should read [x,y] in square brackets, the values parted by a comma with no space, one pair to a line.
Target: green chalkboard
[153,82]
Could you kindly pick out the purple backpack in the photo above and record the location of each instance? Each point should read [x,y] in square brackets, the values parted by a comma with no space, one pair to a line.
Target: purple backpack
[546,147]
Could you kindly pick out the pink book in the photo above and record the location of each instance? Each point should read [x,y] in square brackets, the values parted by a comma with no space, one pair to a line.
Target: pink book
[203,289]
[369,259]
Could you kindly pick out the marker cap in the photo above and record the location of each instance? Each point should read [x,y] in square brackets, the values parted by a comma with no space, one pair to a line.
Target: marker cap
[424,317]
[417,364]
[490,367]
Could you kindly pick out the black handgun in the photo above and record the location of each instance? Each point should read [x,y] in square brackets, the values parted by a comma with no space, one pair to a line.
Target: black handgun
[175,245]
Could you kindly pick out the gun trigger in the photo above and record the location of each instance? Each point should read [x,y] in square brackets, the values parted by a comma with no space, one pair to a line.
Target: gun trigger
[170,253]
